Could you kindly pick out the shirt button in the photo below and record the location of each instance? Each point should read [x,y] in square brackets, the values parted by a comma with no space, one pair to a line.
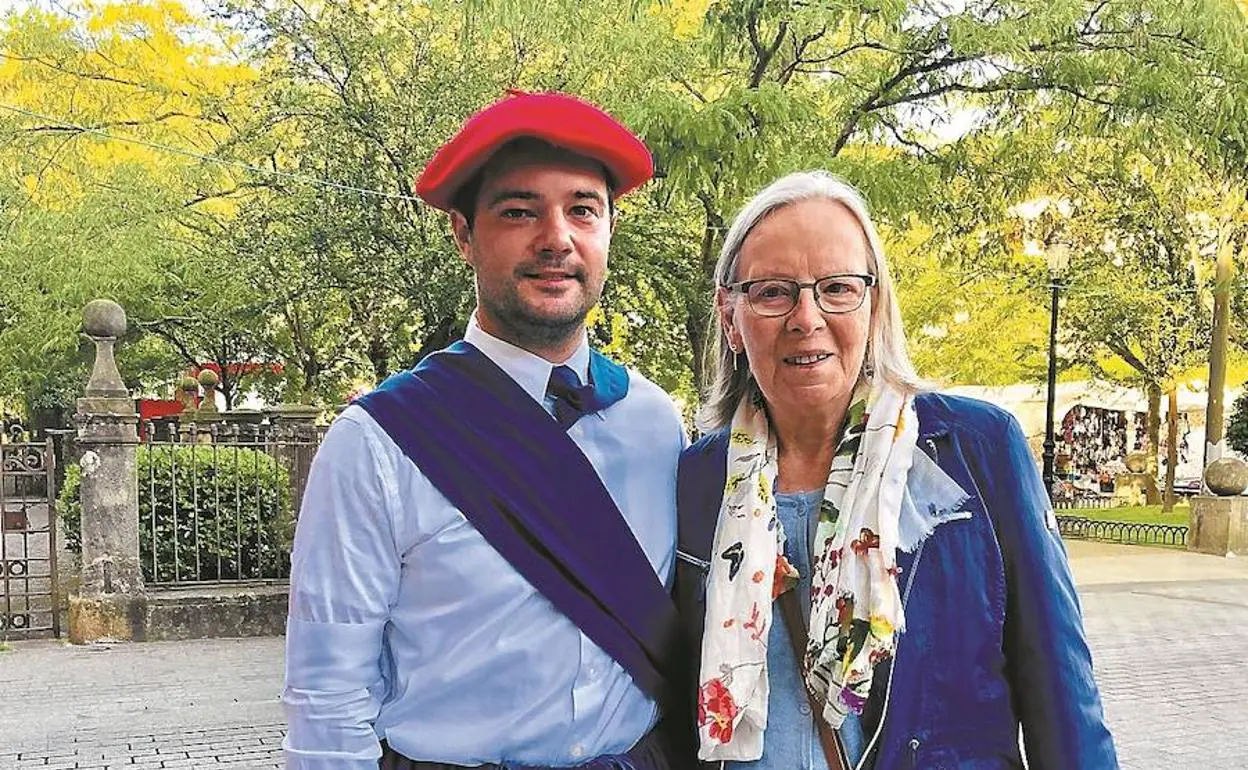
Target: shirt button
[804,708]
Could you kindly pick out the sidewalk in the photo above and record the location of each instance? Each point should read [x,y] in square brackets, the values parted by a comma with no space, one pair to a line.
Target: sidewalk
[209,703]
[1096,564]
[1168,630]
[1169,637]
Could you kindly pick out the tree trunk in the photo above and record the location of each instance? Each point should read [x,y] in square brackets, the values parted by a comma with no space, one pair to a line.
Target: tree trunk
[311,376]
[1214,423]
[379,358]
[1154,439]
[696,322]
[1172,444]
[695,327]
[227,385]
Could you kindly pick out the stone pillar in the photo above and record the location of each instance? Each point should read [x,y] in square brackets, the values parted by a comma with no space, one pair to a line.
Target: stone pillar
[188,390]
[195,423]
[295,432]
[240,426]
[1219,522]
[209,379]
[110,599]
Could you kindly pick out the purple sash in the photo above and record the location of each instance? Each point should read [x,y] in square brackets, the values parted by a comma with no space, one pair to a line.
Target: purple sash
[500,458]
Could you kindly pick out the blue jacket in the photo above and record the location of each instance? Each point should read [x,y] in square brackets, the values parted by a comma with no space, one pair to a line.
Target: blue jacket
[994,635]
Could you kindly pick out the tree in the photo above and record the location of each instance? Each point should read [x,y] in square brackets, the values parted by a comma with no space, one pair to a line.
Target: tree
[301,239]
[1140,287]
[364,96]
[84,213]
[1237,425]
[799,84]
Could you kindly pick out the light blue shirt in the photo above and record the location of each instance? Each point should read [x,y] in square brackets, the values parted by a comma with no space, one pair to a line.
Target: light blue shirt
[406,625]
[791,740]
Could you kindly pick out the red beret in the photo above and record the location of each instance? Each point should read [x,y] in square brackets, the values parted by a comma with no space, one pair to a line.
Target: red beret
[562,120]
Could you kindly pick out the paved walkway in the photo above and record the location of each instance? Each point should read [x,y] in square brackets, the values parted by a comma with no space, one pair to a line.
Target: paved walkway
[1169,636]
[1169,632]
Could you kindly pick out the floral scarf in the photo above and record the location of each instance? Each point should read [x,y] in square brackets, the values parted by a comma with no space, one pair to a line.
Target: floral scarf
[856,607]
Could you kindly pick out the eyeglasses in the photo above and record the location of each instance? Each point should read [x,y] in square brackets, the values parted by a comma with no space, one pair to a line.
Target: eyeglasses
[841,293]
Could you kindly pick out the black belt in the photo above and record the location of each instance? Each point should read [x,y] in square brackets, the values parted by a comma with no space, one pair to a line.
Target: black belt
[656,751]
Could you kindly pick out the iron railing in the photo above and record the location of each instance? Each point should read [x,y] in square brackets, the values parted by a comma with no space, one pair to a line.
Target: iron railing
[1122,531]
[217,504]
[1085,502]
[28,576]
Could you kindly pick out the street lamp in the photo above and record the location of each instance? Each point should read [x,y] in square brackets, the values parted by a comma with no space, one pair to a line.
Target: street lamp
[1046,215]
[1058,256]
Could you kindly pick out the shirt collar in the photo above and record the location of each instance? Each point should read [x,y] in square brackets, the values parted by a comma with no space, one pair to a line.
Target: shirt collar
[530,371]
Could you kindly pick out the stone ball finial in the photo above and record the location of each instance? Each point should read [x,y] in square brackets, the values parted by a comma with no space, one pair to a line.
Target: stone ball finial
[208,378]
[188,383]
[103,318]
[1227,477]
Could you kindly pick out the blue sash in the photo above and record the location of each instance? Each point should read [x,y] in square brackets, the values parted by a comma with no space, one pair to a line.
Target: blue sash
[505,463]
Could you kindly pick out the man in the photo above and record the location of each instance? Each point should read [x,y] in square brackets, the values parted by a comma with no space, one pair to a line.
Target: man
[481,564]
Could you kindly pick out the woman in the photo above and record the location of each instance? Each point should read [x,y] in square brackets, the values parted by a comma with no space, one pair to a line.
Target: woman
[910,527]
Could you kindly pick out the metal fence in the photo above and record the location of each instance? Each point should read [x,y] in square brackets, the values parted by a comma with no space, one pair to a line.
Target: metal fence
[28,576]
[1122,531]
[1085,502]
[217,503]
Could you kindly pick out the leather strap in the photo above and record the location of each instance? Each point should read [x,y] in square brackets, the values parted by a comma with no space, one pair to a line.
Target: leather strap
[829,739]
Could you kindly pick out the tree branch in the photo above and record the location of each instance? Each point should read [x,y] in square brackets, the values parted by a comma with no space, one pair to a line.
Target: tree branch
[763,56]
[907,142]
[1122,351]
[689,87]
[871,103]
[991,89]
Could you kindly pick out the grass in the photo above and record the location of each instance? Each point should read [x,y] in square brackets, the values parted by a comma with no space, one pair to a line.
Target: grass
[1138,514]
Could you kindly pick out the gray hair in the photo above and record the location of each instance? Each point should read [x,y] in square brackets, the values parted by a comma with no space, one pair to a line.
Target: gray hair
[886,350]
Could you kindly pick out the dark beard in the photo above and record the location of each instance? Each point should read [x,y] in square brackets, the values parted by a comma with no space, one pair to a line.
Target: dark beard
[530,331]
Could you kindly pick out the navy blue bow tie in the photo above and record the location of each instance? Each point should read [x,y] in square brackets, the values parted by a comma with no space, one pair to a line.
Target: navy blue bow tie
[572,399]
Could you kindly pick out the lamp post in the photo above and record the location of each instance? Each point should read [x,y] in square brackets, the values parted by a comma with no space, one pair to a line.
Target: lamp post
[1058,257]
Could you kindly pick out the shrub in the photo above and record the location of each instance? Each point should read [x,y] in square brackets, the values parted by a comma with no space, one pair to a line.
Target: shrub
[205,513]
[1237,425]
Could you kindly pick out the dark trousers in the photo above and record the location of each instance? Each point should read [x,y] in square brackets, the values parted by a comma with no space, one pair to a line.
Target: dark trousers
[656,751]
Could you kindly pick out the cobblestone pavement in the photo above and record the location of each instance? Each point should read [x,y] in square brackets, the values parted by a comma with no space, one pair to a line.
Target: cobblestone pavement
[1172,662]
[211,703]
[1172,659]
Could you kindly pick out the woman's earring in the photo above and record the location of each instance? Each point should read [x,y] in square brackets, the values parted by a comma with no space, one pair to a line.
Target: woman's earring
[735,356]
[868,368]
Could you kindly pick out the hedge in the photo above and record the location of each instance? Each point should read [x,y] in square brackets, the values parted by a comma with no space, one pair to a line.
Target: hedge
[232,508]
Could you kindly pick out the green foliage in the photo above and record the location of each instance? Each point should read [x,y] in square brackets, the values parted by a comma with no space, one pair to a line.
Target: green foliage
[206,512]
[1137,514]
[59,388]
[1237,425]
[945,115]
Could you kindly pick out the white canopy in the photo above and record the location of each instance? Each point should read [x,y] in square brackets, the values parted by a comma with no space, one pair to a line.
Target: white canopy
[1027,401]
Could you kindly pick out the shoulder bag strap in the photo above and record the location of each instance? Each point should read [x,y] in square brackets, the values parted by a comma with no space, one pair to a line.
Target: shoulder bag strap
[833,749]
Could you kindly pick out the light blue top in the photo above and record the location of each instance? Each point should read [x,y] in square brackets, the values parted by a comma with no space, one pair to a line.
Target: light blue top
[791,740]
[406,625]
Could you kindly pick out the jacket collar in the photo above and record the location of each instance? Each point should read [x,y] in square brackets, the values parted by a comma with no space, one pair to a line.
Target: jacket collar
[933,421]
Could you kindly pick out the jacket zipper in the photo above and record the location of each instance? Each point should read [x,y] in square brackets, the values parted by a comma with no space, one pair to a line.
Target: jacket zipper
[691,559]
[888,690]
